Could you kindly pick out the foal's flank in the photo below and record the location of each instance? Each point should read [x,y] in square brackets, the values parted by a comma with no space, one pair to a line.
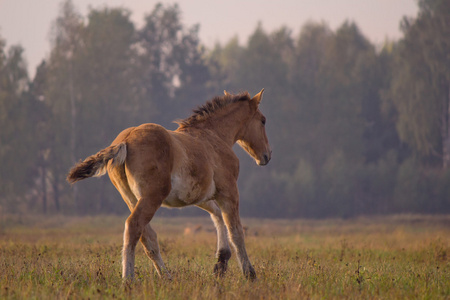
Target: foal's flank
[194,165]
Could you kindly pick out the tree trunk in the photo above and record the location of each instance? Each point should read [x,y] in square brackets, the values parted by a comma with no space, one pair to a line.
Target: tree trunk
[446,131]
[56,196]
[73,114]
[102,195]
[56,190]
[44,188]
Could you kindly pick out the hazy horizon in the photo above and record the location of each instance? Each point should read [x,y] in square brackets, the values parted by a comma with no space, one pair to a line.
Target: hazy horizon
[219,21]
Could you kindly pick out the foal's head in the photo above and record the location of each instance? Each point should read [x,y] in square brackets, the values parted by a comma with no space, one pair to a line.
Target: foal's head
[252,138]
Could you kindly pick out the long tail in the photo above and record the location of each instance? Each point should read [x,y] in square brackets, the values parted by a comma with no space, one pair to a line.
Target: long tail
[95,165]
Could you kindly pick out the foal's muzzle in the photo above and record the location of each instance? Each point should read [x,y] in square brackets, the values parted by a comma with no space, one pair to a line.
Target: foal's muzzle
[265,159]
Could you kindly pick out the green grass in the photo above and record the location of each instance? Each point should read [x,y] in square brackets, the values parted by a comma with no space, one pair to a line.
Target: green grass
[371,258]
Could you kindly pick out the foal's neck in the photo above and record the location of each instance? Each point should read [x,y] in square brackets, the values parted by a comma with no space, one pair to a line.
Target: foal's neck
[232,122]
[228,123]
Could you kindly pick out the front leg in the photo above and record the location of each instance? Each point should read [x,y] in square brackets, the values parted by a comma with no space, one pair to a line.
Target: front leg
[223,253]
[230,212]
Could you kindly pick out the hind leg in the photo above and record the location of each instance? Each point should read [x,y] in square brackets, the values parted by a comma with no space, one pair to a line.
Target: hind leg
[223,253]
[134,228]
[150,242]
[148,236]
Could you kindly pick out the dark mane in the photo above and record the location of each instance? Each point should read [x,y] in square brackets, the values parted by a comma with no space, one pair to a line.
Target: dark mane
[204,111]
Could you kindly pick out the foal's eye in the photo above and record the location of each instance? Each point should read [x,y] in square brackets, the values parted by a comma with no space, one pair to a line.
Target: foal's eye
[263,121]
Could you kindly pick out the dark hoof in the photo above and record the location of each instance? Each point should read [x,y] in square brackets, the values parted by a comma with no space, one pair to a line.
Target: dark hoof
[250,274]
[221,266]
[220,269]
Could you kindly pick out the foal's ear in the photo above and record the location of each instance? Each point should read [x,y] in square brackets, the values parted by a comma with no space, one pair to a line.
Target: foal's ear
[258,97]
[226,93]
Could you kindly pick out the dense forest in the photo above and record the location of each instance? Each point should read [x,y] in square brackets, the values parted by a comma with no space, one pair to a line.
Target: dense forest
[355,128]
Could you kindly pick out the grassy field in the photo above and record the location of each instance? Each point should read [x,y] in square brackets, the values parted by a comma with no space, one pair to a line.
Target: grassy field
[395,257]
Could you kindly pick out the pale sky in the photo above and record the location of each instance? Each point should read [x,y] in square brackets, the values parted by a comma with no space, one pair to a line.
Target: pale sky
[28,22]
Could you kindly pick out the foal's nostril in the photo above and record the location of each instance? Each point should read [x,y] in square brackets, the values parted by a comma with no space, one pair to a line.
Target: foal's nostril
[266,158]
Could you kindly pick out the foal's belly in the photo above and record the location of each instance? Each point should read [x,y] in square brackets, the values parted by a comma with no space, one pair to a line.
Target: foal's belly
[189,191]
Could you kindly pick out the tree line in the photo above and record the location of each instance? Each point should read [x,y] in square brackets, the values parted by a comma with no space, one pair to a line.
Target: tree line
[355,128]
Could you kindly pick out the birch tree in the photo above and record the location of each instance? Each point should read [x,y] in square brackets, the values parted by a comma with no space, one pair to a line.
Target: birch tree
[421,84]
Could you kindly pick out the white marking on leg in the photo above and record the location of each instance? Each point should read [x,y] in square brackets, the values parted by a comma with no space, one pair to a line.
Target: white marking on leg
[127,255]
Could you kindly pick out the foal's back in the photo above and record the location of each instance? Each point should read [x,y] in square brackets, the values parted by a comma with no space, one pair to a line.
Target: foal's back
[181,163]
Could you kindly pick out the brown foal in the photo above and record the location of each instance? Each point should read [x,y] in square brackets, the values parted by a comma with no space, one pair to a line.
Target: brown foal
[193,165]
